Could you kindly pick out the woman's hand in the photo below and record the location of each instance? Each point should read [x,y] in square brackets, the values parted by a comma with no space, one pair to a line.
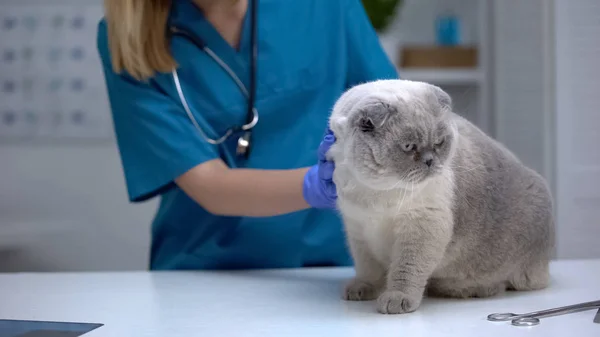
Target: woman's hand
[318,189]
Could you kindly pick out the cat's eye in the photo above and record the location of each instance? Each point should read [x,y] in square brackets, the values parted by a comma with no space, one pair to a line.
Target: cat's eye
[366,125]
[439,142]
[409,147]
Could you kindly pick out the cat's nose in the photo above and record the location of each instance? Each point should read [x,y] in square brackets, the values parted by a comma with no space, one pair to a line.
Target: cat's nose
[428,159]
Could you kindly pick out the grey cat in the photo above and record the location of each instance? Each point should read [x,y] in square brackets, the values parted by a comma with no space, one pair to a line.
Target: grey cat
[431,204]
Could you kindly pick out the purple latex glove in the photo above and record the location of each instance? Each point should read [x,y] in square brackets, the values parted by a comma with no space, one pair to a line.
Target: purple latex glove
[319,189]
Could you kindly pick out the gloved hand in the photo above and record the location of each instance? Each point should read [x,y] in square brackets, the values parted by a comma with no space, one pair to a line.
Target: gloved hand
[319,189]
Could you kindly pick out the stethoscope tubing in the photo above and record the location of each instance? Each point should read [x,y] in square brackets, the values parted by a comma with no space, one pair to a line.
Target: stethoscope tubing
[252,115]
[188,111]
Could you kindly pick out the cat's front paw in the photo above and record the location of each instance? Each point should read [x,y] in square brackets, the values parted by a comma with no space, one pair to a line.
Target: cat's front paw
[357,290]
[397,302]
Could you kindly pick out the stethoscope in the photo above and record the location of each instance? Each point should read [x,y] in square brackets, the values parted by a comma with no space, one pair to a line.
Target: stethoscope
[244,141]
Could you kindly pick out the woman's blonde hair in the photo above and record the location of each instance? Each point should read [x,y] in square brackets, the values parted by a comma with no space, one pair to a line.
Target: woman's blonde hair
[137,36]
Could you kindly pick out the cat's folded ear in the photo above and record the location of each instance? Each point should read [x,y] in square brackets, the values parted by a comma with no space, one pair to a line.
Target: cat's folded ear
[443,98]
[370,117]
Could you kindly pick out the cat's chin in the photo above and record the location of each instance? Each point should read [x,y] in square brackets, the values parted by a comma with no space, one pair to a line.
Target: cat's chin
[387,183]
[390,181]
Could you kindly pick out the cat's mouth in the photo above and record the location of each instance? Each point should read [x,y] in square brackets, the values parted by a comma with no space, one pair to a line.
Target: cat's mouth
[422,175]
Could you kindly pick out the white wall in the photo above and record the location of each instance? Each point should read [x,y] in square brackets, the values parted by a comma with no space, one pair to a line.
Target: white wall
[578,117]
[54,218]
[523,49]
[546,93]
[51,216]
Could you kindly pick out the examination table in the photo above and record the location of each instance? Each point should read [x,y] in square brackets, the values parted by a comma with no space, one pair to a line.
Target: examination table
[303,302]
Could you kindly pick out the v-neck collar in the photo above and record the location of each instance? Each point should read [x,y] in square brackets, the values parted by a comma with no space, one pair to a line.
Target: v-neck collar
[187,16]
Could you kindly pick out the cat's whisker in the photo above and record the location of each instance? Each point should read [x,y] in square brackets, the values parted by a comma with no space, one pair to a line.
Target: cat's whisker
[411,176]
[464,196]
[403,180]
[465,169]
[407,178]
[421,199]
[461,179]
[404,193]
[398,183]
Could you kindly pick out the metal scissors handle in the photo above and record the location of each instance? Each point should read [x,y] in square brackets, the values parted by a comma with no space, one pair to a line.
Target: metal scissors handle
[533,318]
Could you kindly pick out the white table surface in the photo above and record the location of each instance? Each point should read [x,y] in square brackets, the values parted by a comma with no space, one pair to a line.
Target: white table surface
[280,303]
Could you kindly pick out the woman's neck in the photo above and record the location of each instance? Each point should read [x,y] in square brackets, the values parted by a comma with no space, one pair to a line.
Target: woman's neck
[227,16]
[221,6]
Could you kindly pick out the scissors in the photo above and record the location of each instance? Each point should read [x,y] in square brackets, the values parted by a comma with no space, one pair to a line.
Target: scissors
[533,318]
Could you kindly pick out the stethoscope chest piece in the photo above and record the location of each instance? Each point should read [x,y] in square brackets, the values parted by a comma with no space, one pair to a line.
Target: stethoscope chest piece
[243,145]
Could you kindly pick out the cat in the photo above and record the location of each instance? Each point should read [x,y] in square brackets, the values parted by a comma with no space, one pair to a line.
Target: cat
[431,205]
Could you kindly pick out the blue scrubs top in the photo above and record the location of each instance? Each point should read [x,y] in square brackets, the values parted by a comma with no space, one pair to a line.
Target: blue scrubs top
[310,51]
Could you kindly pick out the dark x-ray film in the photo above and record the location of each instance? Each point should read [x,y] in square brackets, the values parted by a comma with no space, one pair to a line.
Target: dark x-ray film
[22,328]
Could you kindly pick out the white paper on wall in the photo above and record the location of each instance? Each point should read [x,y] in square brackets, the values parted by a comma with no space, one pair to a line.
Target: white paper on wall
[51,81]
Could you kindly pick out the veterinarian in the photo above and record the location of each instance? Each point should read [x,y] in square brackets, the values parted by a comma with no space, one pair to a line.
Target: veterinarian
[220,107]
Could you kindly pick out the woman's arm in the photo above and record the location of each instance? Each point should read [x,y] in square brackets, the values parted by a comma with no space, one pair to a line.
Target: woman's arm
[244,192]
[262,193]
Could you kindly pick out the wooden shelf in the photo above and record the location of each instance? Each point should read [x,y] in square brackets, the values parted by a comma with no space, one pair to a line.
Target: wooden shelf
[442,76]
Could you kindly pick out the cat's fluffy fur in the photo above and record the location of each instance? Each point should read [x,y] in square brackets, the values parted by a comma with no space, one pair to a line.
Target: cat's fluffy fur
[432,205]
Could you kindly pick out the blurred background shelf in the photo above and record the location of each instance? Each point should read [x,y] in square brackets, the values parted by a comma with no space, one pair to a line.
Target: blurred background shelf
[467,76]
